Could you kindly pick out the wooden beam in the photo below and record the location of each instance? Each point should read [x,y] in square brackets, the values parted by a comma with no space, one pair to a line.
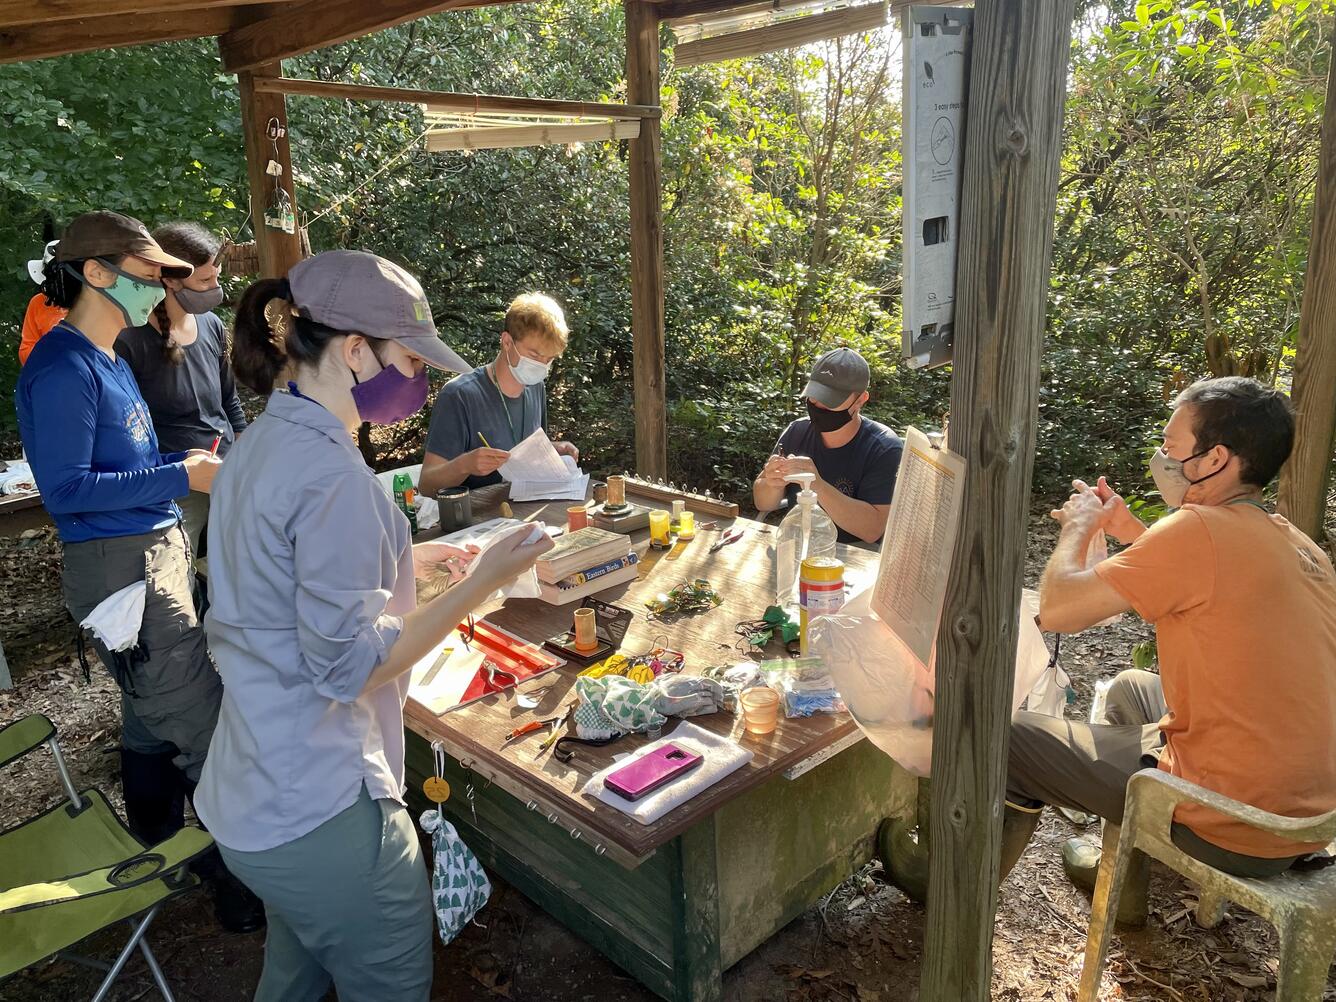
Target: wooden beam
[677,10]
[16,12]
[646,184]
[509,136]
[278,251]
[1012,144]
[1305,478]
[447,101]
[58,38]
[782,35]
[316,24]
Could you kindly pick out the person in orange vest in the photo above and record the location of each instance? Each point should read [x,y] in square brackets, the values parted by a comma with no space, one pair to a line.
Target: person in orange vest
[40,316]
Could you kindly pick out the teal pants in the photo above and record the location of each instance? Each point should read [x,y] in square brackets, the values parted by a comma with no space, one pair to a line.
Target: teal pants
[348,904]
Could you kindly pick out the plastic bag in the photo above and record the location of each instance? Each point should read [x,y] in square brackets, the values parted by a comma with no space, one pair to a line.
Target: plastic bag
[885,688]
[1099,551]
[805,686]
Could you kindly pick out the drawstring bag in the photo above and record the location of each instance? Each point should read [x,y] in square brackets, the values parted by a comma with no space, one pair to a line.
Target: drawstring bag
[459,886]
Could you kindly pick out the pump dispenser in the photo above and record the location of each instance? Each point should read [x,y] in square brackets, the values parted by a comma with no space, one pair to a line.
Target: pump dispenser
[806,531]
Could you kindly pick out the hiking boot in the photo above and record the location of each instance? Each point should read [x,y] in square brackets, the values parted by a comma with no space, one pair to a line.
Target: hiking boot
[236,908]
[1080,861]
[1017,829]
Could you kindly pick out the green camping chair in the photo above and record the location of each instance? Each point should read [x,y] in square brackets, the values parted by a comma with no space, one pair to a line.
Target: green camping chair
[76,868]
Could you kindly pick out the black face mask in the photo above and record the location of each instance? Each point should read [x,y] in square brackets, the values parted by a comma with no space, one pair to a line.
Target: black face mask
[826,421]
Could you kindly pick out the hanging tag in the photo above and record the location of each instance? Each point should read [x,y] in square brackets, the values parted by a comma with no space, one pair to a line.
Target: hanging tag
[435,787]
[273,168]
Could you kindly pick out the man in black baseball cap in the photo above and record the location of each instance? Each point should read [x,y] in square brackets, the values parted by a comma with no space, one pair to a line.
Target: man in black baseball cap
[855,459]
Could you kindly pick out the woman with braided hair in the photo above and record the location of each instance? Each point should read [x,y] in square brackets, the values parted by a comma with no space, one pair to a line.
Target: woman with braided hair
[180,360]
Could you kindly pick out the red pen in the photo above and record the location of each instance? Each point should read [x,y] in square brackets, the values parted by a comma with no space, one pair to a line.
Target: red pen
[213,452]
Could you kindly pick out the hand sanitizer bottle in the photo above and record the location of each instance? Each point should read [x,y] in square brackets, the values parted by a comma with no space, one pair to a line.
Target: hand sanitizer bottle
[806,531]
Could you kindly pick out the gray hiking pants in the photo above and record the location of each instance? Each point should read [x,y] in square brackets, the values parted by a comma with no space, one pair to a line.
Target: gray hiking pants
[1085,767]
[170,691]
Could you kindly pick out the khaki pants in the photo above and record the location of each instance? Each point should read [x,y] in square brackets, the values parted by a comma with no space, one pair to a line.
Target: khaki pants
[171,695]
[1086,767]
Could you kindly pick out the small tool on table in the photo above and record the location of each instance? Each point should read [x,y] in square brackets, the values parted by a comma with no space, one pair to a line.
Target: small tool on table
[731,536]
[531,727]
[560,722]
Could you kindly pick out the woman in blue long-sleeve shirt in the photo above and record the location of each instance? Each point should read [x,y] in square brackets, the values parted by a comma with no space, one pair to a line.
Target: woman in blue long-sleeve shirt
[90,440]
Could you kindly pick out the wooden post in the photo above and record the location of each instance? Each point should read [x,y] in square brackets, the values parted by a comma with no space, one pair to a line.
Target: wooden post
[1012,144]
[642,87]
[278,250]
[1304,479]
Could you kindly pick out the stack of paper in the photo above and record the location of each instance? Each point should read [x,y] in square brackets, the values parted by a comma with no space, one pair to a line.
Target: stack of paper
[538,473]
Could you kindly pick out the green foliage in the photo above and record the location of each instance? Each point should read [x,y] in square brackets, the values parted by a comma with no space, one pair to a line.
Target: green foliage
[1181,233]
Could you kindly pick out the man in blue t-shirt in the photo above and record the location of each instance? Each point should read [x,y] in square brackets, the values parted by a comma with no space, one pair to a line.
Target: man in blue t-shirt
[855,459]
[480,416]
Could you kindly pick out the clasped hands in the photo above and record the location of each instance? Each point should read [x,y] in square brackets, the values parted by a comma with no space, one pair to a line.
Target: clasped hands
[1100,507]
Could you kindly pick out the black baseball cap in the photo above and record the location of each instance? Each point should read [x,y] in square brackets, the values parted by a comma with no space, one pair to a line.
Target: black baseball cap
[837,374]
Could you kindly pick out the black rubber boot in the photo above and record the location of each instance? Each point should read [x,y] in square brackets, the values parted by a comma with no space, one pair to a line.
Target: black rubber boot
[154,797]
[1080,861]
[1017,829]
[235,907]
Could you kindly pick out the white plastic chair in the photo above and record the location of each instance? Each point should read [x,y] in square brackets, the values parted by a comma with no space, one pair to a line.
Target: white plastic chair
[1300,904]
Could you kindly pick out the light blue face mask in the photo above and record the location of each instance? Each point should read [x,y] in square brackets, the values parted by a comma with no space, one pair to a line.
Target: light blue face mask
[135,297]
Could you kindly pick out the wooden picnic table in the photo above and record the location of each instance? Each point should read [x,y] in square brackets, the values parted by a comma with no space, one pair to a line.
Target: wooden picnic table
[677,902]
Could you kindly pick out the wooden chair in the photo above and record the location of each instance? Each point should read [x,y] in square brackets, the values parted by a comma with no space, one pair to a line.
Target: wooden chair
[1300,904]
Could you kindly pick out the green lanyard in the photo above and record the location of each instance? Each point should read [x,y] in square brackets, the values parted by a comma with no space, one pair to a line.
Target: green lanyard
[505,407]
[1256,504]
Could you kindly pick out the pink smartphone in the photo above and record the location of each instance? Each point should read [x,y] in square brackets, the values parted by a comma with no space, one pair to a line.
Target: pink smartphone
[651,771]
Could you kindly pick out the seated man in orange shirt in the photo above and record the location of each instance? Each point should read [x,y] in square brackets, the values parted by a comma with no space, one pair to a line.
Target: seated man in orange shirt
[39,317]
[1244,607]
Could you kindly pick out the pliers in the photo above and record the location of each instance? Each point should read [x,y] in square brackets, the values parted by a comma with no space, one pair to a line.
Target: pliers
[531,727]
[731,536]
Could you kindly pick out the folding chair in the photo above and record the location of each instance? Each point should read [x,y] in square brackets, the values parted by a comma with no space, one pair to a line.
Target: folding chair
[75,869]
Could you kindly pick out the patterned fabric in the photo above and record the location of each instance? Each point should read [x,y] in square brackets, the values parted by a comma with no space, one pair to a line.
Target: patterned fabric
[459,887]
[616,704]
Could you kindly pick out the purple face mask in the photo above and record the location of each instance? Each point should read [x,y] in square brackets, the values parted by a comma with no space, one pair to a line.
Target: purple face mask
[389,396]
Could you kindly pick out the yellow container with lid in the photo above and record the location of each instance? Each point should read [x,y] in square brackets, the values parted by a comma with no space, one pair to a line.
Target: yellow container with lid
[820,592]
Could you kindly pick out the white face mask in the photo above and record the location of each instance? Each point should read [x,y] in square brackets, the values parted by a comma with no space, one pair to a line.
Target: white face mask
[528,371]
[1170,480]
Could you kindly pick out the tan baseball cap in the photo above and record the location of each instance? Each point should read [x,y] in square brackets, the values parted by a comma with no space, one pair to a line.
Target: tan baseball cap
[109,234]
[357,291]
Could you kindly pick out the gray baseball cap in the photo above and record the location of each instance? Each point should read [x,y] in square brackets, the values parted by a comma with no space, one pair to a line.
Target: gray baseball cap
[356,291]
[837,374]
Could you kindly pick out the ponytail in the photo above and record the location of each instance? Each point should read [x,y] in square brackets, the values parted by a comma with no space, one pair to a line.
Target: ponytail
[269,338]
[171,351]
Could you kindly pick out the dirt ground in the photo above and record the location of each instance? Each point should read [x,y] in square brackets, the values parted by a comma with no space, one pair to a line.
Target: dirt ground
[863,944]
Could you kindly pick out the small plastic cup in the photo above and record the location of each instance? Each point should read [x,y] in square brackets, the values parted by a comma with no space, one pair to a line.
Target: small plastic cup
[577,517]
[660,535]
[760,709]
[686,525]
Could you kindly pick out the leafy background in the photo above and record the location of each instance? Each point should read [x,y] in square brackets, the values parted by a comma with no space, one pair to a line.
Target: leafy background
[1183,212]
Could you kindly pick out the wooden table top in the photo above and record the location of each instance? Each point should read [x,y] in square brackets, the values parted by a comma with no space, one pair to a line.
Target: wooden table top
[742,573]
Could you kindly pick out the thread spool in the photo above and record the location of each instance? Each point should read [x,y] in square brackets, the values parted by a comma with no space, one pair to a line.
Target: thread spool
[586,634]
[616,492]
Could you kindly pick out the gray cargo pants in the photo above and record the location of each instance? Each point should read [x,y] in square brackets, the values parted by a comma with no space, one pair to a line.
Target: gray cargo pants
[1085,767]
[170,697]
